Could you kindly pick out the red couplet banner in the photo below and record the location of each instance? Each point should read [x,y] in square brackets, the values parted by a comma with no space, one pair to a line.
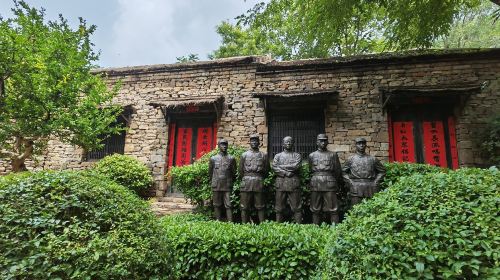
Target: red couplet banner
[204,141]
[434,144]
[453,143]
[171,144]
[183,151]
[404,144]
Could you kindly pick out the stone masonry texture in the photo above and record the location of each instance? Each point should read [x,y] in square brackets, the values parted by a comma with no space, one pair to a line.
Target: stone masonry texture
[357,111]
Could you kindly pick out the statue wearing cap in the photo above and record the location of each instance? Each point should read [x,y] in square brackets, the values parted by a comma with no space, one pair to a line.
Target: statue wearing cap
[286,166]
[253,168]
[363,173]
[326,177]
[222,172]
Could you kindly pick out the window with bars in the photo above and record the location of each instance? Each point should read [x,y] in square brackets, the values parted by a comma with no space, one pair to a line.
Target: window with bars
[115,144]
[302,125]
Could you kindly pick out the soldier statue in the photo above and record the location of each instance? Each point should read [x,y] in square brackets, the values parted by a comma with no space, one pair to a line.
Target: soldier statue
[326,178]
[286,166]
[253,168]
[222,172]
[362,173]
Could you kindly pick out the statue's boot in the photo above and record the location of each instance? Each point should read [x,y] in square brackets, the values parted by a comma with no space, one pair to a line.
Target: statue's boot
[316,218]
[262,215]
[334,218]
[279,217]
[229,214]
[218,214]
[244,216]
[297,217]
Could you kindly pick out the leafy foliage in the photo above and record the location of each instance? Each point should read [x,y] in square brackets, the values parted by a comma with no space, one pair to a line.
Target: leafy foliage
[433,226]
[188,58]
[46,87]
[126,171]
[491,140]
[473,28]
[290,29]
[397,170]
[69,225]
[215,250]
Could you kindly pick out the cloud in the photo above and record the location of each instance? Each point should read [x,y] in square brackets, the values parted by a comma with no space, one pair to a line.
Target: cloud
[158,31]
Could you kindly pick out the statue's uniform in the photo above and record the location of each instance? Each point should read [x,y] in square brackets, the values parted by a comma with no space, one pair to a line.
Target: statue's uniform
[253,169]
[325,181]
[286,166]
[222,171]
[362,173]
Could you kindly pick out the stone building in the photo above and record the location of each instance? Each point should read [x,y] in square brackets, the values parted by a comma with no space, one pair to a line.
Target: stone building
[427,107]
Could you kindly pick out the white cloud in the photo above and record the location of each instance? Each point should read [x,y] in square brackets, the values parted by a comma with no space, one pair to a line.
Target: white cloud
[158,31]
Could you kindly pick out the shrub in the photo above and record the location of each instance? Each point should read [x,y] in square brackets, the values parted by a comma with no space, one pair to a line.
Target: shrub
[491,140]
[397,170]
[192,180]
[215,250]
[69,225]
[437,225]
[126,171]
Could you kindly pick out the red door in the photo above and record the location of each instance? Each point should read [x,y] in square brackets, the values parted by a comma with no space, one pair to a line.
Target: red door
[423,134]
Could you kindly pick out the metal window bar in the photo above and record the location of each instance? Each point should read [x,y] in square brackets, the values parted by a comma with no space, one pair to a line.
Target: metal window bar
[115,144]
[302,126]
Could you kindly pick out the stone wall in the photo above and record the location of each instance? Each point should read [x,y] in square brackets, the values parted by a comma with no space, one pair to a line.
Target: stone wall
[356,112]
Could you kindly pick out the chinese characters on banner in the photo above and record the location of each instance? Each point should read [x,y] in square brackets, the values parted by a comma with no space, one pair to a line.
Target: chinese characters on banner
[434,144]
[204,141]
[453,143]
[404,145]
[171,144]
[183,151]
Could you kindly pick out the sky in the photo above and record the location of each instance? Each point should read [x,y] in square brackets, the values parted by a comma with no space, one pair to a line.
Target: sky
[144,32]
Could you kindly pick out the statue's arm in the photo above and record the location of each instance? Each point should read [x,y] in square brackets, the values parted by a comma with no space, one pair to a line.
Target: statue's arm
[295,165]
[337,169]
[241,165]
[380,168]
[346,169]
[210,169]
[277,168]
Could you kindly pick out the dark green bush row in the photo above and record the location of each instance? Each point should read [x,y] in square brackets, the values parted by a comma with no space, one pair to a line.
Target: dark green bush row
[432,226]
[126,171]
[215,250]
[77,225]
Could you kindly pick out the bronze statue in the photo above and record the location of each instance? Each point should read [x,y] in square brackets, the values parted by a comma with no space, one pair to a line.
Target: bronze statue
[325,181]
[362,173]
[253,168]
[286,166]
[222,172]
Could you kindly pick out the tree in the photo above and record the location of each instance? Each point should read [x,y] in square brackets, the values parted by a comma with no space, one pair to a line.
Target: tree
[47,88]
[473,28]
[188,58]
[290,29]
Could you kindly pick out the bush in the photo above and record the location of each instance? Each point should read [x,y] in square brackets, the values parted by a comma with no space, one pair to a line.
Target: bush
[215,250]
[126,171]
[437,225]
[490,145]
[397,170]
[69,225]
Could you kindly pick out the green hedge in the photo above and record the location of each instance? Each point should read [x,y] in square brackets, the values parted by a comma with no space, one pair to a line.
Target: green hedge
[397,170]
[69,225]
[215,250]
[437,225]
[126,171]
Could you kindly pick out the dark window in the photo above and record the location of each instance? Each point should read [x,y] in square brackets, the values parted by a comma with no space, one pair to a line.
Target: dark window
[115,144]
[302,124]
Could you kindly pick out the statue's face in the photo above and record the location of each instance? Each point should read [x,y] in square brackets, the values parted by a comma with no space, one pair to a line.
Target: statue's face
[322,143]
[254,143]
[223,147]
[288,143]
[360,147]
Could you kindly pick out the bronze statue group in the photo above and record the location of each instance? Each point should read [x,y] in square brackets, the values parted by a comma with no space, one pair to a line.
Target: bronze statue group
[361,173]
